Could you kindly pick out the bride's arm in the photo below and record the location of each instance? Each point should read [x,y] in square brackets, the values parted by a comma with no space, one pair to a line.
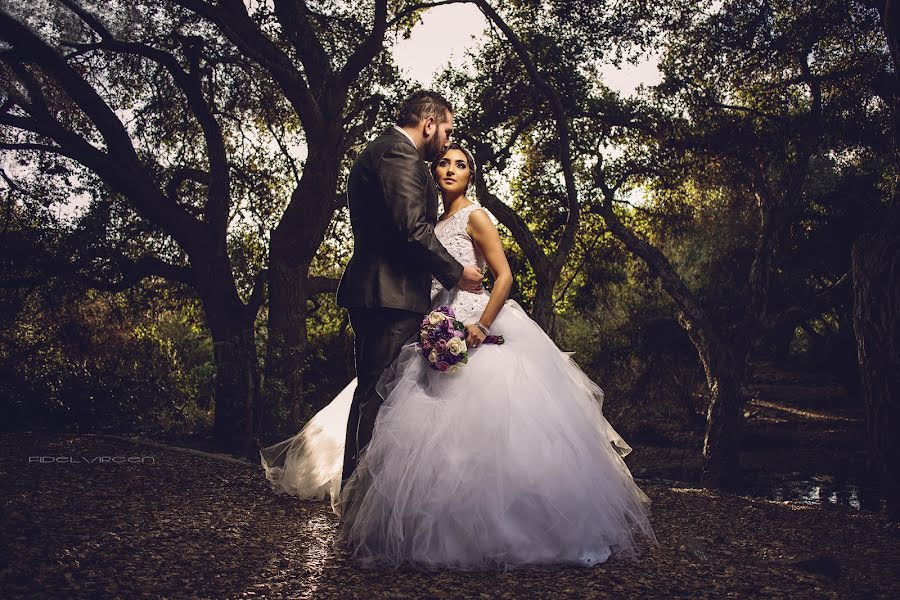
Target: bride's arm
[487,239]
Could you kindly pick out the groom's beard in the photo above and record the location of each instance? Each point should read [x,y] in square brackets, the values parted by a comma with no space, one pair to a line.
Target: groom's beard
[433,148]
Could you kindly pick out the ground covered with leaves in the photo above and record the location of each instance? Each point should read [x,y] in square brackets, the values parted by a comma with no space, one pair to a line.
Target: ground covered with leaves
[190,526]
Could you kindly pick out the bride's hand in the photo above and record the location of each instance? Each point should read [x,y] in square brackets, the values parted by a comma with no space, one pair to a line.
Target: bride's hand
[474,336]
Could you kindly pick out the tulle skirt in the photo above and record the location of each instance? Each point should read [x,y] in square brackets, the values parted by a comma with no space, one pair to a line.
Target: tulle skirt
[508,461]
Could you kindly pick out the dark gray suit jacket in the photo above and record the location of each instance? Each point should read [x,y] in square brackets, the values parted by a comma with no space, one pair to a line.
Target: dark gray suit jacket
[393,210]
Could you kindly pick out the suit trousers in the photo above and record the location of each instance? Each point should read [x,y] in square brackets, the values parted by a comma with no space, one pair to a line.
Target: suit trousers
[379,333]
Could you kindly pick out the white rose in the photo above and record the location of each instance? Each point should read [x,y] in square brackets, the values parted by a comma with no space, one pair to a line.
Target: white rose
[456,346]
[436,317]
[453,369]
[432,356]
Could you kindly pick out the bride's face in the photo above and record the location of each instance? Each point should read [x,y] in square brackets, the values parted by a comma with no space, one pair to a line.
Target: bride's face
[452,171]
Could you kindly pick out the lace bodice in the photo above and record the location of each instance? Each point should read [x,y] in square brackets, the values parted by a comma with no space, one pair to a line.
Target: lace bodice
[452,234]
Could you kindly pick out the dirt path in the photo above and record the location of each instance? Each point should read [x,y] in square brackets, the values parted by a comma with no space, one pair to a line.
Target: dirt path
[189,526]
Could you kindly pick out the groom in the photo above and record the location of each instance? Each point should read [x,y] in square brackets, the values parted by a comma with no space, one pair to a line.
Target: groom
[387,283]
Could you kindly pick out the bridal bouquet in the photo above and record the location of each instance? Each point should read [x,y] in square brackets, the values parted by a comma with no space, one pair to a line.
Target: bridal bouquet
[442,340]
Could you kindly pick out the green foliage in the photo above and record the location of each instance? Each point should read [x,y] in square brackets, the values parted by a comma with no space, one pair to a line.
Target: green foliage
[621,328]
[84,361]
[769,104]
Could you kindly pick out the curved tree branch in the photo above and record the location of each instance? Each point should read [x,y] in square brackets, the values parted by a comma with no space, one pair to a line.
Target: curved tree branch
[570,230]
[235,23]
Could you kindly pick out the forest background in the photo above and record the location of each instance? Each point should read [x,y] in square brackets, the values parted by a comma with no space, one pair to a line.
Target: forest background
[174,221]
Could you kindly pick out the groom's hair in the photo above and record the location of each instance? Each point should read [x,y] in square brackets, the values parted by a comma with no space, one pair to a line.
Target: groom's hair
[420,105]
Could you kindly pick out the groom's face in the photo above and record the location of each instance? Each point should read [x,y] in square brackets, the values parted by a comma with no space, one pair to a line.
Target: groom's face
[437,136]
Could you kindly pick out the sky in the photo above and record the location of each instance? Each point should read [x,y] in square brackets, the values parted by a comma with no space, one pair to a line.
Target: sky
[446,32]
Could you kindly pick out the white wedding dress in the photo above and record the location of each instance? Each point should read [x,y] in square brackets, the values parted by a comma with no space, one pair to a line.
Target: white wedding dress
[508,461]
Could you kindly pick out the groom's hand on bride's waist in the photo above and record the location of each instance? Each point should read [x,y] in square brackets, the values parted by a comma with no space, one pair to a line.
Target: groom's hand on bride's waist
[471,279]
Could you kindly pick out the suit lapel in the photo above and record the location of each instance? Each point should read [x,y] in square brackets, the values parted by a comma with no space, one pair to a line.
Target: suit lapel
[395,132]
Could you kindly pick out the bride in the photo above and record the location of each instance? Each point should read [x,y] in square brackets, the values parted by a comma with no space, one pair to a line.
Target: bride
[508,461]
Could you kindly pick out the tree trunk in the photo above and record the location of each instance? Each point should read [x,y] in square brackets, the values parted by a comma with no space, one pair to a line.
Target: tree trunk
[876,306]
[876,301]
[231,324]
[542,305]
[724,374]
[724,424]
[724,417]
[294,245]
[683,388]
[286,346]
[237,388]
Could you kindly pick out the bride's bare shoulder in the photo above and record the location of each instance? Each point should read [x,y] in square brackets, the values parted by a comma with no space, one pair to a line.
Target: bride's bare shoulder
[480,223]
[479,215]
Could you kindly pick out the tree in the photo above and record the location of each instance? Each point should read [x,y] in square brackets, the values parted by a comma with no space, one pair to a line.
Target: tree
[731,96]
[876,306]
[766,93]
[327,62]
[538,70]
[322,66]
[60,104]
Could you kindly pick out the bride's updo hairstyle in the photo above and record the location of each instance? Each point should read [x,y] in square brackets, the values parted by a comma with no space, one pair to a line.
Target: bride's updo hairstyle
[470,161]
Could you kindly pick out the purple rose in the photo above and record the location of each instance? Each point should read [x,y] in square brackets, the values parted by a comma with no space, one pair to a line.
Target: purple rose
[444,325]
[443,365]
[426,345]
[441,346]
